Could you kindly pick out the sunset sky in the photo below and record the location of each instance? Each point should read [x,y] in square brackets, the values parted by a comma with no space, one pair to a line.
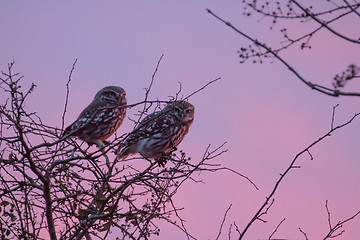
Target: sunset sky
[263,112]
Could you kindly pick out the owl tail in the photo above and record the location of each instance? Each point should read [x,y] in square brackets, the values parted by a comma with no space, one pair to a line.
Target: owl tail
[122,152]
[67,131]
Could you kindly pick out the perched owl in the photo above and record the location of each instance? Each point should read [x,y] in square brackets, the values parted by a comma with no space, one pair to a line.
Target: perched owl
[101,118]
[158,134]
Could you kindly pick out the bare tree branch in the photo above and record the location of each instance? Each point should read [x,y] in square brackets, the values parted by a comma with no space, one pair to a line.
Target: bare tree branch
[275,230]
[290,167]
[222,223]
[306,238]
[334,231]
[67,95]
[316,87]
[202,88]
[64,188]
[147,91]
[324,24]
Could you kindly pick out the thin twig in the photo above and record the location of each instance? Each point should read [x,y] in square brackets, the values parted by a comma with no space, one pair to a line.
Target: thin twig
[181,220]
[333,230]
[306,238]
[277,227]
[333,116]
[67,95]
[222,222]
[203,87]
[147,91]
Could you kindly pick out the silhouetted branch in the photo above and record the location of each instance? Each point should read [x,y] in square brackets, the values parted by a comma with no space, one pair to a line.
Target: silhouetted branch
[333,117]
[334,231]
[274,53]
[147,91]
[275,230]
[222,222]
[269,197]
[306,238]
[350,73]
[62,188]
[67,95]
[202,88]
[325,24]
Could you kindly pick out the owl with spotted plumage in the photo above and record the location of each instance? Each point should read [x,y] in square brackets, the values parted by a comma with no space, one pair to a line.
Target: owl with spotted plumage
[158,134]
[101,118]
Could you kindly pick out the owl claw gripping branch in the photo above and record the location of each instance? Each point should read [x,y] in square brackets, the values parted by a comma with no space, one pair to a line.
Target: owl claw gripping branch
[158,134]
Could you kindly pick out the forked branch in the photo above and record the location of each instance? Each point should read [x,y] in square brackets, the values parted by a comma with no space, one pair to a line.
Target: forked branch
[270,197]
[270,51]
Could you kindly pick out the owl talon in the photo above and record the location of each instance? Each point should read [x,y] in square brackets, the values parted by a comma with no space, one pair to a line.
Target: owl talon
[163,160]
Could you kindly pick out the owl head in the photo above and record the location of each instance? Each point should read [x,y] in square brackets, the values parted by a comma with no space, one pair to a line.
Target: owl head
[111,93]
[182,110]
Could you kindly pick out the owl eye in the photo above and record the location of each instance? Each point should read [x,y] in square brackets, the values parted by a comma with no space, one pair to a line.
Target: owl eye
[177,109]
[188,110]
[111,94]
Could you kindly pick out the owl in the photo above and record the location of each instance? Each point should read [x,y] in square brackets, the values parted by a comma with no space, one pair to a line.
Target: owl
[101,118]
[158,134]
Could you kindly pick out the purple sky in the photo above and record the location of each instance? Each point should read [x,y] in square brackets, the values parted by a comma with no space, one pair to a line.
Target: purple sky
[263,112]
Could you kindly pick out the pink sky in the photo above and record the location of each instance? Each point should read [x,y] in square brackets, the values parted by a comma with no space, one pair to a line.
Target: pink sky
[262,111]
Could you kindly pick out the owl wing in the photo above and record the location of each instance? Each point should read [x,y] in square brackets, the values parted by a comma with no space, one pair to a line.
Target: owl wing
[94,115]
[153,124]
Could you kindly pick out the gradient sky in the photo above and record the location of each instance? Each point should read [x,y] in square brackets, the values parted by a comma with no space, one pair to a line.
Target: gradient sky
[263,112]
